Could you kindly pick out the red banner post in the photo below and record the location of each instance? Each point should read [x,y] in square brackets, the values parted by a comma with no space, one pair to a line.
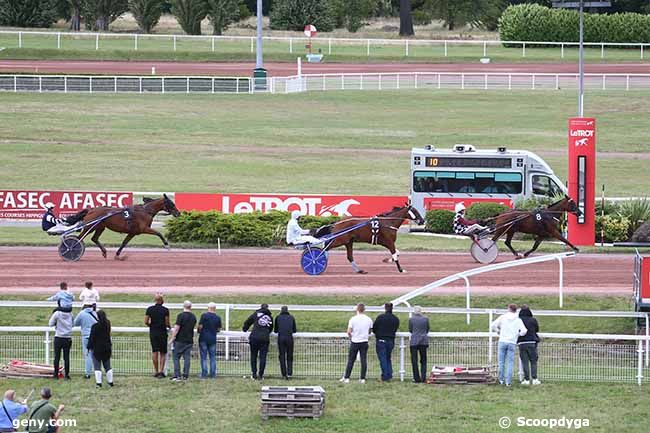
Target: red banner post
[582,179]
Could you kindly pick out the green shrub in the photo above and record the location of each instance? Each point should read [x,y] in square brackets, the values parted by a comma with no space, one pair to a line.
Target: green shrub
[609,208]
[484,211]
[439,221]
[251,229]
[27,13]
[533,22]
[615,229]
[421,17]
[295,14]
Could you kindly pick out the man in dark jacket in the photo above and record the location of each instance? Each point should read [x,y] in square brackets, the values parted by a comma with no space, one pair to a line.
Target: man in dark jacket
[285,327]
[528,346]
[419,343]
[384,328]
[182,339]
[262,322]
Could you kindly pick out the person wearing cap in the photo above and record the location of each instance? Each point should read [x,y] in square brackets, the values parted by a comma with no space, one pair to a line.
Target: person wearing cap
[50,223]
[10,411]
[419,343]
[209,325]
[295,234]
[42,413]
[463,226]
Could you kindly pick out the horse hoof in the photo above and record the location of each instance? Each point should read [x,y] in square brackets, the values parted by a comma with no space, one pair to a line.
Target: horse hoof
[120,258]
[362,272]
[403,271]
[104,254]
[517,257]
[386,260]
[167,247]
[576,250]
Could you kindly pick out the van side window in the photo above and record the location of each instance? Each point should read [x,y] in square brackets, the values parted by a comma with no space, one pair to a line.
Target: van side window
[544,185]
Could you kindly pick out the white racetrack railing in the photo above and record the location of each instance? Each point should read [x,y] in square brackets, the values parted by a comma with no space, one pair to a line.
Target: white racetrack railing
[563,357]
[291,45]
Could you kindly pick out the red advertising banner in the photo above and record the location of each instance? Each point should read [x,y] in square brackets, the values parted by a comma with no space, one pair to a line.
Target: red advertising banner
[450,202]
[582,179]
[307,204]
[31,204]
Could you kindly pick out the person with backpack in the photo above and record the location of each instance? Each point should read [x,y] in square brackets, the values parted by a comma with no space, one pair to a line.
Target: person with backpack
[262,323]
[101,348]
[528,346]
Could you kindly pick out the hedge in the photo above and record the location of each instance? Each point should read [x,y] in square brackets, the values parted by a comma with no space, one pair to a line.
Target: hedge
[439,221]
[533,22]
[252,229]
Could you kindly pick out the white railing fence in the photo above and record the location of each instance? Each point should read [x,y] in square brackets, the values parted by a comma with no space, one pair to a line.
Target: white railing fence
[563,357]
[329,46]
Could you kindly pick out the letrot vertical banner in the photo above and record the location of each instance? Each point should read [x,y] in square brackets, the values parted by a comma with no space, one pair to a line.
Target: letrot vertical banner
[582,179]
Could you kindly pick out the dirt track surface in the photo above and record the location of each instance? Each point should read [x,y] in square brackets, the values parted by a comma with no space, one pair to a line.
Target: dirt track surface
[39,270]
[284,69]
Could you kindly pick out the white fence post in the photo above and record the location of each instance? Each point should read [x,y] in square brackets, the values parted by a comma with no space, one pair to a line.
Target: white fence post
[174,42]
[533,88]
[213,43]
[360,81]
[187,85]
[329,46]
[291,45]
[140,84]
[641,51]
[58,41]
[523,52]
[47,347]
[324,84]
[227,329]
[602,51]
[557,81]
[561,282]
[65,84]
[342,82]
[402,368]
[415,80]
[368,47]
[97,42]
[604,78]
[627,82]
[490,338]
[40,84]
[162,86]
[484,48]
[462,81]
[20,40]
[509,81]
[135,42]
[115,84]
[406,47]
[562,50]
[398,80]
[90,83]
[445,48]
[639,374]
[467,298]
[252,45]
[379,83]
[439,82]
[236,85]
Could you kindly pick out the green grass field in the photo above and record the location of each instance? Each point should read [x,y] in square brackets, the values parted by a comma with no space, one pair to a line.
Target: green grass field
[307,143]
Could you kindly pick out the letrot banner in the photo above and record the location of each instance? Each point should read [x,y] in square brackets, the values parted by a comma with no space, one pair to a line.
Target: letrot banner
[307,204]
[23,204]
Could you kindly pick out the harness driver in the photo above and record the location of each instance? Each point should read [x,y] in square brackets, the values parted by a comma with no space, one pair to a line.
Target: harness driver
[51,224]
[463,226]
[296,235]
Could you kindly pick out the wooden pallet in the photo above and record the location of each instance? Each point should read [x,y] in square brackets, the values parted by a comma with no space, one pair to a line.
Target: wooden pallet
[292,401]
[460,375]
[17,368]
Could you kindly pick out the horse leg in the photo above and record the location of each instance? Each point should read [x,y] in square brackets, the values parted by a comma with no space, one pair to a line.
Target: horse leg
[355,267]
[509,237]
[98,232]
[150,231]
[538,240]
[554,232]
[394,253]
[126,240]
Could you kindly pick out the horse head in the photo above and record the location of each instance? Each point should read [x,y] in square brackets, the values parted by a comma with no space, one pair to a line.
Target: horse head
[571,206]
[169,206]
[413,214]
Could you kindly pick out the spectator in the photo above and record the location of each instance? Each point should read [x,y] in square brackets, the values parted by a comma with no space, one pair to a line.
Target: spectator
[101,348]
[262,322]
[183,339]
[85,321]
[384,328]
[157,319]
[89,295]
[528,346]
[510,327]
[63,298]
[43,413]
[285,327]
[11,411]
[62,321]
[209,325]
[419,343]
[359,328]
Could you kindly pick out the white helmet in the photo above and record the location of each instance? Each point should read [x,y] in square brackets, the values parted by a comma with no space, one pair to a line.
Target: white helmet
[295,214]
[459,207]
[49,205]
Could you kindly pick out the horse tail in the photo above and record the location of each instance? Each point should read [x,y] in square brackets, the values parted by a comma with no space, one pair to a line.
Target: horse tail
[324,230]
[73,219]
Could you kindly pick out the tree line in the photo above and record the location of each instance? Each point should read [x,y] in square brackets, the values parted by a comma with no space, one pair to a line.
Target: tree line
[326,15]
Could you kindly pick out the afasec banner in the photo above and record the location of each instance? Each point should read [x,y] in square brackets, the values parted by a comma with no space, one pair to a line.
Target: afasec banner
[31,204]
[307,204]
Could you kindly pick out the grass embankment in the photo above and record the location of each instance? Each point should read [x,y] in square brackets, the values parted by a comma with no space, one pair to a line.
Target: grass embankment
[308,143]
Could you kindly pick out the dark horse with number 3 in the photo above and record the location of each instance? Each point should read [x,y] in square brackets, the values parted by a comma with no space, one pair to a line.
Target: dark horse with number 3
[542,223]
[379,230]
[133,221]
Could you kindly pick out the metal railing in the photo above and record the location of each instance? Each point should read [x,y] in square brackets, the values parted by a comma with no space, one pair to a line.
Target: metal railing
[124,84]
[296,45]
[563,357]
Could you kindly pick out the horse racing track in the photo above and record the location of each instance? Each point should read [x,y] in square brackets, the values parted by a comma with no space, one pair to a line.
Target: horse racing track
[253,271]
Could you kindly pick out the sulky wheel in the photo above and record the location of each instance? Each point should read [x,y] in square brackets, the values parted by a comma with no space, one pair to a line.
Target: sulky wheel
[314,261]
[71,248]
[484,251]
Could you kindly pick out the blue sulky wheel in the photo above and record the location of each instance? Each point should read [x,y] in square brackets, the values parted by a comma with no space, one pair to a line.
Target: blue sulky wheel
[314,261]
[71,248]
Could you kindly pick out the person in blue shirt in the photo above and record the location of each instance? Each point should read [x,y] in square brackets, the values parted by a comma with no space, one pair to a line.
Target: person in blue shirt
[10,411]
[209,325]
[63,299]
[85,320]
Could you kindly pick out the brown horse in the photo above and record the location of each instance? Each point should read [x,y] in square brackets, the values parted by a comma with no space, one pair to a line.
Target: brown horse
[542,223]
[133,221]
[378,230]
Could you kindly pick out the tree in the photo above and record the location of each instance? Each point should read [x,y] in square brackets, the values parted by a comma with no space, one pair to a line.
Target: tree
[146,13]
[27,13]
[405,18]
[222,13]
[295,14]
[98,14]
[456,13]
[351,13]
[189,14]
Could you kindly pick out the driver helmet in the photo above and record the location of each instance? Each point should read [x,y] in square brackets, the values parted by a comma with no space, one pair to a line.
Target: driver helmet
[460,207]
[49,205]
[295,214]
